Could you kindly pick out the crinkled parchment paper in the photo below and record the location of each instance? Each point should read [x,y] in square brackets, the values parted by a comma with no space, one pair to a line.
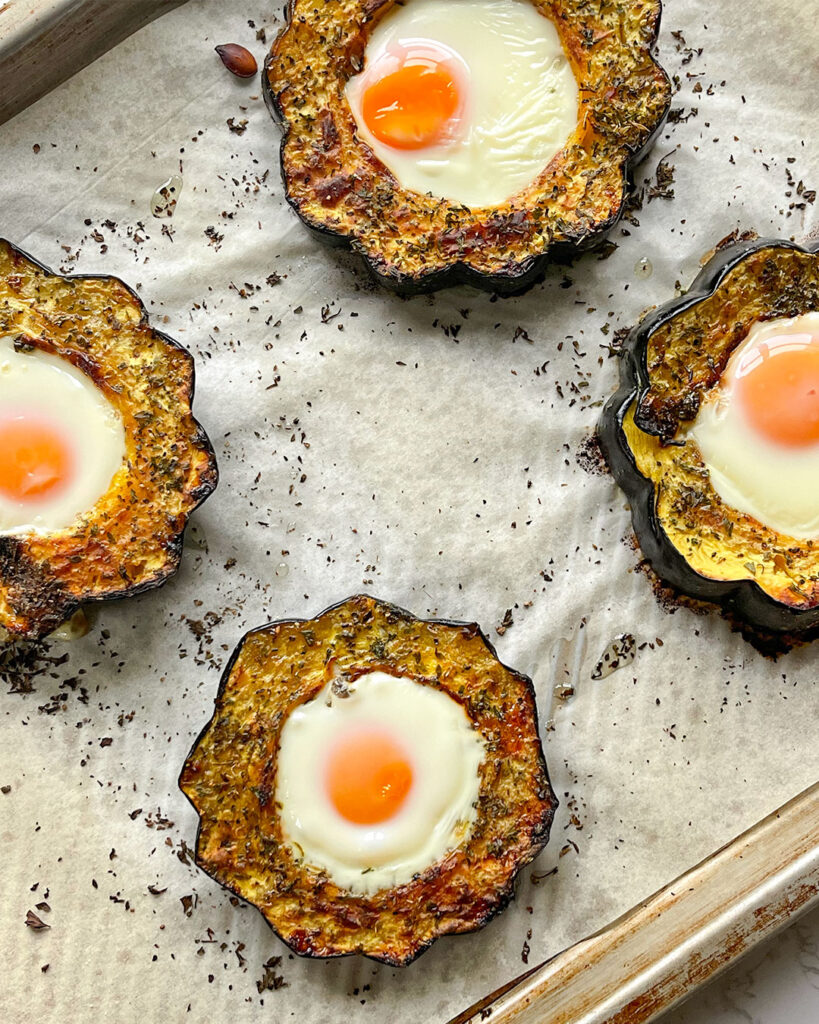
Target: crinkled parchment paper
[430,452]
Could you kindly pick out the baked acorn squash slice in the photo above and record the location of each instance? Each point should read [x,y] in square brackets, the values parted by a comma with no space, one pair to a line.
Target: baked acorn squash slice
[230,777]
[416,242]
[691,537]
[130,539]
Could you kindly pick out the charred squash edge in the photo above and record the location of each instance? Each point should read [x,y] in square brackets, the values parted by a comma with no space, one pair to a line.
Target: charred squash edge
[744,597]
[527,272]
[539,838]
[208,482]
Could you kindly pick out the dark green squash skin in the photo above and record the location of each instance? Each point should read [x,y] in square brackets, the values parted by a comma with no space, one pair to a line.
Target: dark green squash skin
[539,834]
[743,598]
[53,605]
[523,274]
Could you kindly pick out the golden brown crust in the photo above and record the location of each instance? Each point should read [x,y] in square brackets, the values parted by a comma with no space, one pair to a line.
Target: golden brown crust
[230,778]
[131,539]
[337,185]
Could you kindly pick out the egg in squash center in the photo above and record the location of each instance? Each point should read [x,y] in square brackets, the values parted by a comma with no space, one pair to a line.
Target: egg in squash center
[468,101]
[758,430]
[378,779]
[61,441]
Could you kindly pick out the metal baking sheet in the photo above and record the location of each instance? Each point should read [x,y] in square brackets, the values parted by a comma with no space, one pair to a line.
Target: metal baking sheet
[44,42]
[683,936]
[433,452]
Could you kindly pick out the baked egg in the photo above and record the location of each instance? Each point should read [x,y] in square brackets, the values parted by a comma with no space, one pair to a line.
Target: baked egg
[468,101]
[758,430]
[61,441]
[377,779]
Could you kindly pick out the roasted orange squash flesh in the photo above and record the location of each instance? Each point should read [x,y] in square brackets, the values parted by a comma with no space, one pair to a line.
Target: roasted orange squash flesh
[230,779]
[417,242]
[131,539]
[692,538]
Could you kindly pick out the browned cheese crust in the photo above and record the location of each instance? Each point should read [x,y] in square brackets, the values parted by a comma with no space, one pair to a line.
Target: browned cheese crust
[338,186]
[131,539]
[685,358]
[230,777]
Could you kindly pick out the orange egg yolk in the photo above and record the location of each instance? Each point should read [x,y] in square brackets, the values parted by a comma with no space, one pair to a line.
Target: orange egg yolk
[368,777]
[35,460]
[414,106]
[778,384]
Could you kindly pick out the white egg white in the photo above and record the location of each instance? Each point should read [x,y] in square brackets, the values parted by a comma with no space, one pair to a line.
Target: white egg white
[522,101]
[445,752]
[777,485]
[50,388]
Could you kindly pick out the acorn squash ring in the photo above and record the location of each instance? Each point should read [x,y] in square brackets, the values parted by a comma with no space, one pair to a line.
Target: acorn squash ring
[677,352]
[131,539]
[230,778]
[414,243]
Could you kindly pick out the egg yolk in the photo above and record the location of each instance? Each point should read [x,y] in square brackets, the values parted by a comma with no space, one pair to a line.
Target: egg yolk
[414,106]
[35,460]
[368,777]
[778,385]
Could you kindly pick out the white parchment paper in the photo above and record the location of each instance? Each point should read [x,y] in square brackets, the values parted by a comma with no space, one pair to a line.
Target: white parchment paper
[424,451]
